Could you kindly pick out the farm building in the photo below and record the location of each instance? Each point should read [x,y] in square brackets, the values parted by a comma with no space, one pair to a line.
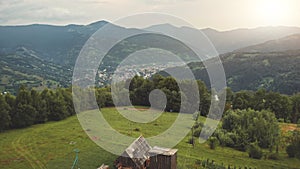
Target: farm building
[140,155]
[163,158]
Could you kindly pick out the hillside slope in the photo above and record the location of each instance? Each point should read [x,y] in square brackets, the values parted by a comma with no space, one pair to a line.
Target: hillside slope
[44,55]
[24,67]
[291,42]
[51,145]
[270,65]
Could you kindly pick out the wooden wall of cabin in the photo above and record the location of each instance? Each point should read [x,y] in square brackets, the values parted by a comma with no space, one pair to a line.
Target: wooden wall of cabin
[163,162]
[126,162]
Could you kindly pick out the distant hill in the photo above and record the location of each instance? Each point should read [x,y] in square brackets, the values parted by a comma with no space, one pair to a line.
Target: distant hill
[275,71]
[44,55]
[24,67]
[57,44]
[270,65]
[291,42]
[62,44]
[228,41]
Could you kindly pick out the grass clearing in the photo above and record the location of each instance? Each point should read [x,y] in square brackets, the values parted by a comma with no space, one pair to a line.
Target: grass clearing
[51,145]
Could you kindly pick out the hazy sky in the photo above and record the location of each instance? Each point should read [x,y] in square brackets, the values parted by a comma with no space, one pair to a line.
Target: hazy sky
[217,14]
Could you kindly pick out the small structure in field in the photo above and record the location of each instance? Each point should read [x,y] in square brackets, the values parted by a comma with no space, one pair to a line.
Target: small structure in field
[140,155]
[163,158]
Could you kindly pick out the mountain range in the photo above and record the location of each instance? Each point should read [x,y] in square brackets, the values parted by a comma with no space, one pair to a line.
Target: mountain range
[272,65]
[44,55]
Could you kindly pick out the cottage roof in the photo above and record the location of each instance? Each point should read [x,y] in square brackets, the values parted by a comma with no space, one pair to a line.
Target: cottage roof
[138,151]
[163,151]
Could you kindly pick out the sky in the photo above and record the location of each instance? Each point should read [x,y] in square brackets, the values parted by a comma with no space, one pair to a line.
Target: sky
[216,14]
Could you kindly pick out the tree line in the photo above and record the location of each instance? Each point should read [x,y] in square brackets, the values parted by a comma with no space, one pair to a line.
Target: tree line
[285,108]
[30,106]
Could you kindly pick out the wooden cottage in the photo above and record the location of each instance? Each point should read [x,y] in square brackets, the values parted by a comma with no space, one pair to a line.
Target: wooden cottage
[135,156]
[140,155]
[163,158]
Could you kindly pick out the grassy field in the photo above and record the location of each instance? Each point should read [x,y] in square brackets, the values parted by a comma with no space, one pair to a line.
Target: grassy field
[51,145]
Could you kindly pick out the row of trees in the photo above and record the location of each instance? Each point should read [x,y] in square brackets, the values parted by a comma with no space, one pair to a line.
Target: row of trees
[30,107]
[140,88]
[256,132]
[286,108]
[245,130]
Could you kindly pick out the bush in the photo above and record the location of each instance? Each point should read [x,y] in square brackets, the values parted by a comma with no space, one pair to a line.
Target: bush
[136,129]
[198,124]
[281,120]
[291,150]
[197,133]
[255,151]
[213,141]
[274,156]
[191,141]
[224,138]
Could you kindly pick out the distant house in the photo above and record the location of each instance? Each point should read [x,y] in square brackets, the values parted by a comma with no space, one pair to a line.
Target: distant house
[140,155]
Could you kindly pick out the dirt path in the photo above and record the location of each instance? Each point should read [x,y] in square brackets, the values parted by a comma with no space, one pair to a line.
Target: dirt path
[22,149]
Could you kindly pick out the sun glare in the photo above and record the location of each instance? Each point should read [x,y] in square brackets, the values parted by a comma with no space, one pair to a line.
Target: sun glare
[273,12]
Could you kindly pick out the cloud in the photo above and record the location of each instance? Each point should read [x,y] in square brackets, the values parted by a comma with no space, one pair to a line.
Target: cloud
[201,13]
[166,1]
[52,11]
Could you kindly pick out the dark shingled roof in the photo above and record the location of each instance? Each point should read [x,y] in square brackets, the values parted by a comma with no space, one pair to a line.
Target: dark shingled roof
[138,151]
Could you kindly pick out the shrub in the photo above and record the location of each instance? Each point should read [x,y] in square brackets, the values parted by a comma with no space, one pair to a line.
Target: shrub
[136,129]
[281,120]
[197,132]
[224,139]
[198,124]
[274,156]
[255,151]
[191,141]
[198,162]
[291,150]
[213,141]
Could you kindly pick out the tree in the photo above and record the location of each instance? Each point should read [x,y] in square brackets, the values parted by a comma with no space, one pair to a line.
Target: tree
[278,104]
[24,113]
[57,107]
[173,100]
[23,96]
[136,82]
[104,98]
[254,151]
[141,94]
[5,119]
[259,99]
[169,83]
[213,141]
[242,100]
[293,150]
[249,126]
[295,115]
[24,116]
[204,98]
[40,106]
[67,97]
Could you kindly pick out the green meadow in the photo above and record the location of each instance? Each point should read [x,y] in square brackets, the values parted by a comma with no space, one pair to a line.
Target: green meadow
[52,145]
